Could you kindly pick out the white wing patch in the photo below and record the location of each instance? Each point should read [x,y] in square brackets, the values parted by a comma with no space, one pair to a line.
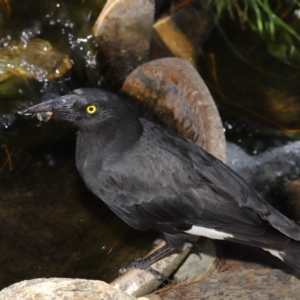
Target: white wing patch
[274,253]
[209,233]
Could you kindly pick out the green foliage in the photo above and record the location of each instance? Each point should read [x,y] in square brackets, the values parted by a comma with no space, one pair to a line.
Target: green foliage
[277,22]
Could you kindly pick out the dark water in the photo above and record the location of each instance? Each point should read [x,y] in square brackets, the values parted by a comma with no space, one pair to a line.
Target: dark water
[258,99]
[51,226]
[257,94]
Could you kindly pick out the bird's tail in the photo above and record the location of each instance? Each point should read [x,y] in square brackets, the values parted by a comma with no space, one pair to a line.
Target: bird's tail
[278,244]
[291,257]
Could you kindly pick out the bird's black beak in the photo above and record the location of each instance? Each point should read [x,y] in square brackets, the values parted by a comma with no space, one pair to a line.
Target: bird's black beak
[58,108]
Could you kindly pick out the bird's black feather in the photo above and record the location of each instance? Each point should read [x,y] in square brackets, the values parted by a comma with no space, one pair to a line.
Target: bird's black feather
[153,178]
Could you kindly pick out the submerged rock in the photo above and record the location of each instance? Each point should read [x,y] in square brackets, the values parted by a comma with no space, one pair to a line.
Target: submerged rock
[36,59]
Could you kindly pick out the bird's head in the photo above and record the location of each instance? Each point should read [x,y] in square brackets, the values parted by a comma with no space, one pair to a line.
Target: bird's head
[85,107]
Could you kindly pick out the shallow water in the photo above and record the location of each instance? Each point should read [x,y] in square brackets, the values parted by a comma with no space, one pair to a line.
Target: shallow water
[51,226]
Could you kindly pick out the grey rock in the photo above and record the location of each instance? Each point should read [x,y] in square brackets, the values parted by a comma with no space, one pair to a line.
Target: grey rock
[268,166]
[62,289]
[246,284]
[199,264]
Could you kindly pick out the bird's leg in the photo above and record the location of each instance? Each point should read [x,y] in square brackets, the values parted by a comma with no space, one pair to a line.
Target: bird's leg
[145,263]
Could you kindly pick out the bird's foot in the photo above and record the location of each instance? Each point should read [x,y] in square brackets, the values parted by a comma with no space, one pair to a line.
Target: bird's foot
[137,263]
[142,264]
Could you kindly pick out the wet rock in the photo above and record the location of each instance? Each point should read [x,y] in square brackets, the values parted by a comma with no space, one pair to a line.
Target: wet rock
[268,167]
[62,288]
[175,93]
[123,32]
[36,59]
[275,173]
[184,30]
[239,160]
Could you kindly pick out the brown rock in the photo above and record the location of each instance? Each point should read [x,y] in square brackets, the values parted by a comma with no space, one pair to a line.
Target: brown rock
[176,94]
[183,31]
[123,31]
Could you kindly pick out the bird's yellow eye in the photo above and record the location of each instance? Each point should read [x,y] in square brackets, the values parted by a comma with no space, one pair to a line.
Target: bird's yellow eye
[91,109]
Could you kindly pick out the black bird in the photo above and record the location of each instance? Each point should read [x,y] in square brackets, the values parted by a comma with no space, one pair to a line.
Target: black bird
[153,178]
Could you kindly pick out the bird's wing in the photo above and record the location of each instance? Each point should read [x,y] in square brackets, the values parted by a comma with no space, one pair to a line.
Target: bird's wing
[226,183]
[168,183]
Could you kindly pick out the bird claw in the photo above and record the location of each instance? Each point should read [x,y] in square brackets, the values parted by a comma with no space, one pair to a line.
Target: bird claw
[139,263]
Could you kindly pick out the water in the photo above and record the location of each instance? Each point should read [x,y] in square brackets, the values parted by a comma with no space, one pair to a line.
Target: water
[51,226]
